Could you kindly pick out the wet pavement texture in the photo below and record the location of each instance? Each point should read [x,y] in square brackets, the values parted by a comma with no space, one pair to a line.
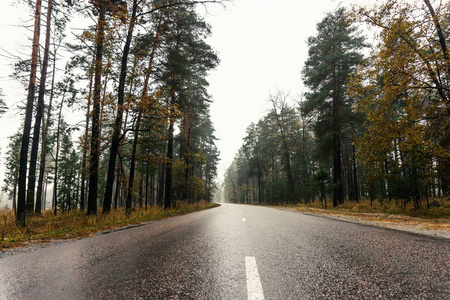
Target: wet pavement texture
[202,256]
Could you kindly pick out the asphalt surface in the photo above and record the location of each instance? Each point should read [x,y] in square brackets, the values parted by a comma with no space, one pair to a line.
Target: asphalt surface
[206,255]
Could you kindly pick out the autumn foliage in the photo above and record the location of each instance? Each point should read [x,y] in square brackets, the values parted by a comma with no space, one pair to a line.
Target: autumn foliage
[372,124]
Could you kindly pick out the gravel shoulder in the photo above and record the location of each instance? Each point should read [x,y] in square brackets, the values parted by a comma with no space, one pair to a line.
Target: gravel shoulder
[430,227]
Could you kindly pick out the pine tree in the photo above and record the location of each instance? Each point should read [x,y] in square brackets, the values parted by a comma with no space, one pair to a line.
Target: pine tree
[334,53]
[12,161]
[188,60]
[21,201]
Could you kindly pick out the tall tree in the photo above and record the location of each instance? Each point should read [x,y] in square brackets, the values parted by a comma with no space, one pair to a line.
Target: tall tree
[404,93]
[68,165]
[12,161]
[187,62]
[136,6]
[44,147]
[120,102]
[333,55]
[121,96]
[279,112]
[101,7]
[21,201]
[39,112]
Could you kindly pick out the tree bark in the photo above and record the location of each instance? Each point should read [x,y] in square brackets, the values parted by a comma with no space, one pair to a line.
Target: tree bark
[120,101]
[440,34]
[21,204]
[133,163]
[118,122]
[55,184]
[169,163]
[85,148]
[45,130]
[38,121]
[355,173]
[445,173]
[338,197]
[95,133]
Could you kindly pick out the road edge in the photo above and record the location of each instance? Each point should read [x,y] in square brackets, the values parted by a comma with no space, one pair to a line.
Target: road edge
[413,229]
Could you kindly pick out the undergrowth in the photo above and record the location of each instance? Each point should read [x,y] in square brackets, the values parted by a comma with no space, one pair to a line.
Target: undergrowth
[78,224]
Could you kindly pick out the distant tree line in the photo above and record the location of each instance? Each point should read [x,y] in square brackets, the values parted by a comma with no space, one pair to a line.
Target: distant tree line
[374,126]
[138,75]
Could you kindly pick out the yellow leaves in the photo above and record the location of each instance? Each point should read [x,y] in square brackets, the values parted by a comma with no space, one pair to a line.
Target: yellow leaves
[86,35]
[397,90]
[192,185]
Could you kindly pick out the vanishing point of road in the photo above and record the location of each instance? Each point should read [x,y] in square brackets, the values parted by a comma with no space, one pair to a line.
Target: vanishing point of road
[235,252]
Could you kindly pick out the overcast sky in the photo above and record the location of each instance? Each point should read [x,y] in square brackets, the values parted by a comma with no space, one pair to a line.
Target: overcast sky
[261,45]
[262,48]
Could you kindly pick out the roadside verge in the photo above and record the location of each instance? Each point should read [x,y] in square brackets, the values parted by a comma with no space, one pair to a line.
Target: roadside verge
[430,227]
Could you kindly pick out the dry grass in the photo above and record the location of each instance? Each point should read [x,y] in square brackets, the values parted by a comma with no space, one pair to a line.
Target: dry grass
[435,218]
[439,209]
[78,224]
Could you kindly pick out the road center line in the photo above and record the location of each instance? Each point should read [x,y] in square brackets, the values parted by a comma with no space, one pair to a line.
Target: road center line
[254,287]
[243,220]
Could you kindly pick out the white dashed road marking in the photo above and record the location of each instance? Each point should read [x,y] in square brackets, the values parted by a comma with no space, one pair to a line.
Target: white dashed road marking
[254,287]
[243,220]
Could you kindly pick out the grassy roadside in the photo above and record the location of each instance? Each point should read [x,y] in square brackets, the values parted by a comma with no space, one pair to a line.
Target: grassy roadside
[440,208]
[76,224]
[435,218]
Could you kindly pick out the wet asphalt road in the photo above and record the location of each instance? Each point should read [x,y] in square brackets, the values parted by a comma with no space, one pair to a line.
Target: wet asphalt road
[203,256]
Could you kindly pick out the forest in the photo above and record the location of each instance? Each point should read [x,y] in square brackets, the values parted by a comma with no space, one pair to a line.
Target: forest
[138,75]
[373,122]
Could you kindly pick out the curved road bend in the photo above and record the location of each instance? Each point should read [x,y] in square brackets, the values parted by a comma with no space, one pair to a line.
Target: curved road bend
[235,252]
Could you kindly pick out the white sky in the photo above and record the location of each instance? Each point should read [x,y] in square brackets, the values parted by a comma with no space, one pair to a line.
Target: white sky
[261,45]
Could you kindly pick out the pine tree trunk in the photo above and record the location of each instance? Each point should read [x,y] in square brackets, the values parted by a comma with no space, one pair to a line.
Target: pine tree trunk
[16,177]
[160,188]
[338,197]
[136,137]
[132,163]
[185,134]
[95,135]
[21,204]
[349,176]
[116,196]
[55,184]
[355,173]
[120,101]
[39,113]
[146,184]
[85,148]
[120,190]
[44,198]
[337,169]
[141,186]
[168,186]
[152,190]
[40,108]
